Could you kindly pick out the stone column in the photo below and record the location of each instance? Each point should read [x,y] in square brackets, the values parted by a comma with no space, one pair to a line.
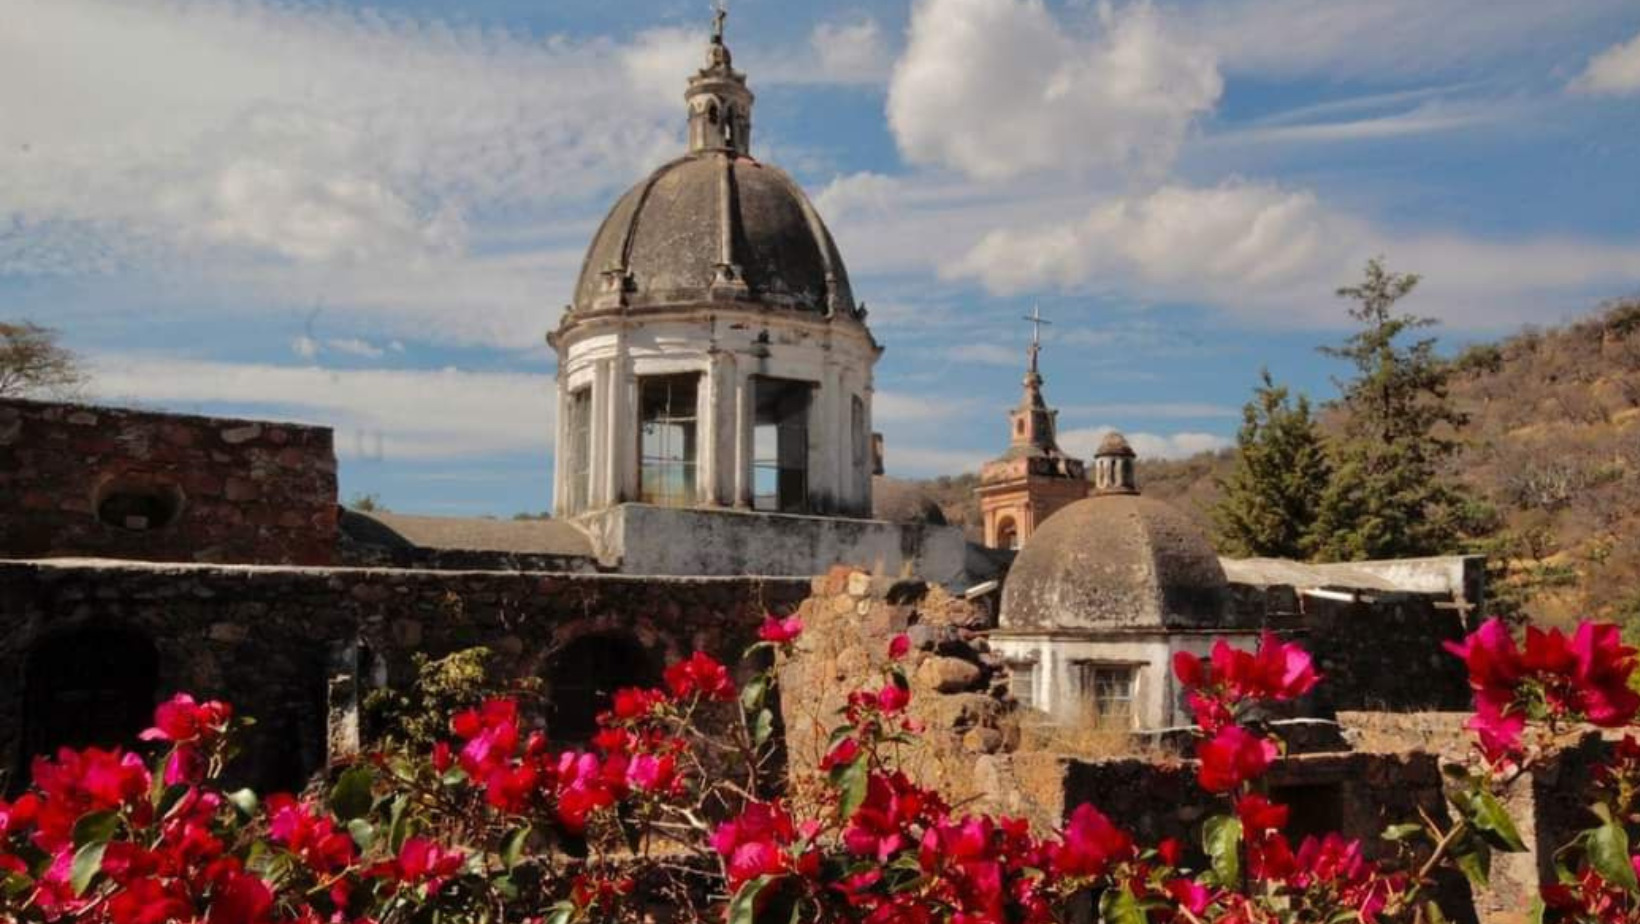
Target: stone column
[602,414]
[559,441]
[717,419]
[745,420]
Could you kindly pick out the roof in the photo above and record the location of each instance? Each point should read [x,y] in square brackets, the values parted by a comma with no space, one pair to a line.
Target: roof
[667,236]
[468,534]
[1113,562]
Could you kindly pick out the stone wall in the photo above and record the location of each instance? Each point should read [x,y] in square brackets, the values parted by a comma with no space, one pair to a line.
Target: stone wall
[270,639]
[958,688]
[1380,654]
[102,482]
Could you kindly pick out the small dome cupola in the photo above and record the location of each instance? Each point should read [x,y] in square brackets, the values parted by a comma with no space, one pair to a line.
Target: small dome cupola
[720,105]
[1113,466]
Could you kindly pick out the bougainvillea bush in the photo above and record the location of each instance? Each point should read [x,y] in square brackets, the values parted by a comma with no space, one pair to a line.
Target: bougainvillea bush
[657,820]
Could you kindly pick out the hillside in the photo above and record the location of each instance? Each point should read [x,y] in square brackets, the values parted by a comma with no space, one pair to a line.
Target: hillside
[1551,452]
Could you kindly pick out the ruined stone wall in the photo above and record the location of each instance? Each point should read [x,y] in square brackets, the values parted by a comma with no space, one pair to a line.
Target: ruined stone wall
[958,689]
[102,482]
[1385,655]
[266,638]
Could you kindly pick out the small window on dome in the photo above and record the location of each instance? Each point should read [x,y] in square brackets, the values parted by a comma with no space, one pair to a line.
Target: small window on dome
[139,505]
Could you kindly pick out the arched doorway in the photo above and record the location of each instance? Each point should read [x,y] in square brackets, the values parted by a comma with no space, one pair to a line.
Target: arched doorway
[89,686]
[582,680]
[1007,534]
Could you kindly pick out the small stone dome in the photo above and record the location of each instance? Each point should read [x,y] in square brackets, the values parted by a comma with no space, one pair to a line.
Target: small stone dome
[1115,561]
[664,243]
[904,502]
[1114,444]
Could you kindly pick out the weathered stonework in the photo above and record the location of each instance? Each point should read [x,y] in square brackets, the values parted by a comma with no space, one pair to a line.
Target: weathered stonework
[105,482]
[269,639]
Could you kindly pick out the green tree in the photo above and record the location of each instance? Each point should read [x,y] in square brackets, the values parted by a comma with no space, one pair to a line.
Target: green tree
[1271,496]
[32,363]
[1390,494]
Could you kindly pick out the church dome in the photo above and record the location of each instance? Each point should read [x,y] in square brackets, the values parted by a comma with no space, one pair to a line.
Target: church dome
[715,226]
[904,502]
[1115,561]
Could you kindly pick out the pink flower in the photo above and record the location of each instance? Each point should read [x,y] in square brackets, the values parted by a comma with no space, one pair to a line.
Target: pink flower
[1601,675]
[754,844]
[899,646]
[893,697]
[1490,654]
[181,720]
[1090,844]
[1231,758]
[780,631]
[700,675]
[240,898]
[420,861]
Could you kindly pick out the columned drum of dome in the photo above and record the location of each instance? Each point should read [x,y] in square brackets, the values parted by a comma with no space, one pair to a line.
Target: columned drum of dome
[714,355]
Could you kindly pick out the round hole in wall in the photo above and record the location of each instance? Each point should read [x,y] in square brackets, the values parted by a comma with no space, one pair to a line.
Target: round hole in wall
[139,505]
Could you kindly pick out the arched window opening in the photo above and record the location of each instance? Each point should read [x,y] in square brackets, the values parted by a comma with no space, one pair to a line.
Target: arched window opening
[92,686]
[1007,534]
[139,505]
[583,678]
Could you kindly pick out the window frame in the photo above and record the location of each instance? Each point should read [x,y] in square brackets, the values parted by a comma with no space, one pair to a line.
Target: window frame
[683,414]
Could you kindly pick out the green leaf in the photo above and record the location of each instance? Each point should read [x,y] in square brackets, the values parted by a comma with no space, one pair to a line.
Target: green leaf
[1402,832]
[762,728]
[362,832]
[96,828]
[1493,821]
[1475,861]
[751,695]
[244,801]
[1433,913]
[1608,848]
[560,913]
[351,797]
[1221,840]
[512,848]
[1119,906]
[87,863]
[15,884]
[851,780]
[398,821]
[743,909]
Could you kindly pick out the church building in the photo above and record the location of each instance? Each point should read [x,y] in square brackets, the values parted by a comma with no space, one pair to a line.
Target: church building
[715,373]
[1034,478]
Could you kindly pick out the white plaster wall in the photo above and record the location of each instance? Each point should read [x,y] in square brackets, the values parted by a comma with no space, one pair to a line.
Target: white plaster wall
[1056,683]
[729,348]
[644,539]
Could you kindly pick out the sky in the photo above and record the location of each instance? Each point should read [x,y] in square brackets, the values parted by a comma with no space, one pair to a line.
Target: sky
[368,214]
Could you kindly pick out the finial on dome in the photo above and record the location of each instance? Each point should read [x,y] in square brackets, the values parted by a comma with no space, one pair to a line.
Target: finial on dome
[720,106]
[1113,466]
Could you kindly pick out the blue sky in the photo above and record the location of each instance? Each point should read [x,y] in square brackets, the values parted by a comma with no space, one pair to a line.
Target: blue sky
[369,214]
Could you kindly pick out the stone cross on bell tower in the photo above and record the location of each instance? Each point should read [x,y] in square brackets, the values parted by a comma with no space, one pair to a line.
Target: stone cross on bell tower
[1034,477]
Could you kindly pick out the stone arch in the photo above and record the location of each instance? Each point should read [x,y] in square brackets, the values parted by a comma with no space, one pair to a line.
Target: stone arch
[93,685]
[1007,532]
[582,679]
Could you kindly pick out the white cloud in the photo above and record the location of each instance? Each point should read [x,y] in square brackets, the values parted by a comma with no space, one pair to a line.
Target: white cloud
[403,414]
[901,407]
[1083,442]
[852,51]
[1615,70]
[997,88]
[1270,253]
[353,346]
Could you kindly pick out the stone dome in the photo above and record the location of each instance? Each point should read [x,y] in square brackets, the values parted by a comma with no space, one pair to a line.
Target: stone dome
[904,502]
[1115,562]
[715,226]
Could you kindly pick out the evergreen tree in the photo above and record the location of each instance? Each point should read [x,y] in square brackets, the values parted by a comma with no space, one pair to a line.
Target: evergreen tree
[1272,495]
[1390,495]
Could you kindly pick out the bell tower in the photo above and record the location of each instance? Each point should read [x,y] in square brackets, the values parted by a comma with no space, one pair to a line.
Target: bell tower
[1034,478]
